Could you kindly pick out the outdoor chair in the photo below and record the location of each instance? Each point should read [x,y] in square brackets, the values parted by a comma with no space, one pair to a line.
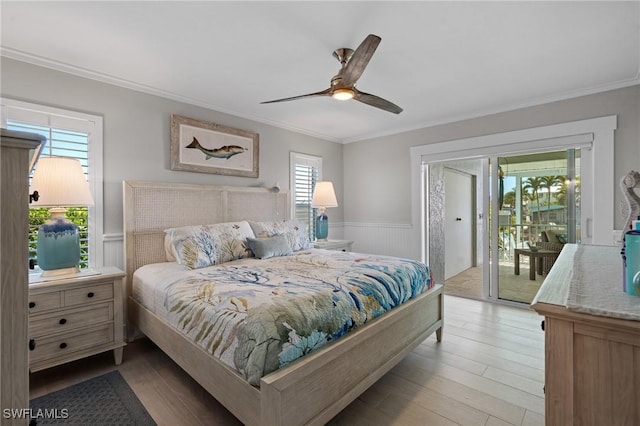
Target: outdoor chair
[553,240]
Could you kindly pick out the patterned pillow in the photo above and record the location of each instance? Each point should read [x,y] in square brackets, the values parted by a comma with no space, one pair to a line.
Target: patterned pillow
[295,232]
[205,245]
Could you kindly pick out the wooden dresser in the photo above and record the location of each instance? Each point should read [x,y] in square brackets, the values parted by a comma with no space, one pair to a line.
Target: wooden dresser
[14,218]
[75,317]
[592,358]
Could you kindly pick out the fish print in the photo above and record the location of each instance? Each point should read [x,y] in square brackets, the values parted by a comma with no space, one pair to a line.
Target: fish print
[225,152]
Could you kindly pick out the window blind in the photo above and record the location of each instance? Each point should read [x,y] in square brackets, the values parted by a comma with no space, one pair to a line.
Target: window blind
[60,143]
[69,134]
[306,170]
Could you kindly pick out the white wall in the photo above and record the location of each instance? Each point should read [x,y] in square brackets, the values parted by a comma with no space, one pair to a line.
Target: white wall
[137,137]
[377,171]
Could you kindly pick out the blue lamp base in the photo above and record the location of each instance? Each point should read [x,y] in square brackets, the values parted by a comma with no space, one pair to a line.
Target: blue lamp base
[58,248]
[322,227]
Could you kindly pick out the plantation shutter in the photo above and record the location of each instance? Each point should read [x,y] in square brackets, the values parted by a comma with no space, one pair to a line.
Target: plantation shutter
[306,171]
[66,137]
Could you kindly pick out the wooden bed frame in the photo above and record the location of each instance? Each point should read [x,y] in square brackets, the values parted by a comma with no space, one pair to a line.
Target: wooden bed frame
[311,390]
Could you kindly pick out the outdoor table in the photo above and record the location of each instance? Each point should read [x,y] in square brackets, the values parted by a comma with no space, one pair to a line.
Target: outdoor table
[535,260]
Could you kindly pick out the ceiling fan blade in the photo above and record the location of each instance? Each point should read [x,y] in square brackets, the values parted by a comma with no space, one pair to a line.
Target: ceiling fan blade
[376,101]
[359,60]
[310,95]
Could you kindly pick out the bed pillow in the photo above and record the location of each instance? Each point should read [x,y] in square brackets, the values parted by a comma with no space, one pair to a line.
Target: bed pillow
[205,245]
[169,249]
[264,248]
[295,232]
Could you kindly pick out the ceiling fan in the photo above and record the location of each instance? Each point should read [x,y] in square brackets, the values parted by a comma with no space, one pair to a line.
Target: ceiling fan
[343,84]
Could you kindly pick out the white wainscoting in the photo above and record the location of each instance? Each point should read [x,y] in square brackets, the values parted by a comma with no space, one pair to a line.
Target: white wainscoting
[113,250]
[391,239]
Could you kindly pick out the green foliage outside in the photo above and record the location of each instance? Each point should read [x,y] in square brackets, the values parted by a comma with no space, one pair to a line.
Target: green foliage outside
[77,215]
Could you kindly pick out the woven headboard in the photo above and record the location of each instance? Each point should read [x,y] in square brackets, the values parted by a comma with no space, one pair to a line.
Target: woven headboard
[152,207]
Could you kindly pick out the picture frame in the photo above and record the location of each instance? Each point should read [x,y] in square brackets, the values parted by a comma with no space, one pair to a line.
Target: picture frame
[204,147]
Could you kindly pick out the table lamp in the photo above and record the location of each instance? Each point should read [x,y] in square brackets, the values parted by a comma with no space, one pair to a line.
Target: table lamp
[59,183]
[323,197]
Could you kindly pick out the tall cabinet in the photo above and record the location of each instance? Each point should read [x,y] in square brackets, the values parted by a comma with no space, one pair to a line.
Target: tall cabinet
[16,149]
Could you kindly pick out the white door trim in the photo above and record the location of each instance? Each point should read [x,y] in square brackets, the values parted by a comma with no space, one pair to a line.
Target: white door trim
[594,136]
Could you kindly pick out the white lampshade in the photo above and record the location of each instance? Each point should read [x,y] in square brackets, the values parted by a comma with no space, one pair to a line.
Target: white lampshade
[60,182]
[324,195]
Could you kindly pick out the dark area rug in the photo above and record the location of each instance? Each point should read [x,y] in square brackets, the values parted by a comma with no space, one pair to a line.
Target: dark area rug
[103,400]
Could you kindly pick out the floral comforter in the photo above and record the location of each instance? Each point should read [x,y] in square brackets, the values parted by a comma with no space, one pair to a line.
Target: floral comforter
[259,315]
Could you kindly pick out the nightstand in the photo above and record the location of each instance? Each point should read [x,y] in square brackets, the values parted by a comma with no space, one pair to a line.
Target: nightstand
[72,318]
[340,245]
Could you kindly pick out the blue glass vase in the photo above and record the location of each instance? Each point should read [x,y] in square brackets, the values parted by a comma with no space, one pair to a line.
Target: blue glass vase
[632,261]
[322,227]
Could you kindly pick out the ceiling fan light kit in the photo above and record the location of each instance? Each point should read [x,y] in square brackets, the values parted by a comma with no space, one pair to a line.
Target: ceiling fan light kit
[343,94]
[343,84]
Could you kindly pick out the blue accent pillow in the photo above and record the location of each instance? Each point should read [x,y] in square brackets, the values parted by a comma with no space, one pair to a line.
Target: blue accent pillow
[264,248]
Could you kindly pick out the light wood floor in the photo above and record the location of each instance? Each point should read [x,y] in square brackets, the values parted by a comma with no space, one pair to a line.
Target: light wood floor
[488,370]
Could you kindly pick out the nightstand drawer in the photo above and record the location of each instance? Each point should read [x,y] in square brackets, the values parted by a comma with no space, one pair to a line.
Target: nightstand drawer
[44,302]
[62,344]
[46,324]
[88,294]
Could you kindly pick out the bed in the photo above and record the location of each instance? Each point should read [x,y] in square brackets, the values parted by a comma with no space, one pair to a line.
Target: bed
[308,390]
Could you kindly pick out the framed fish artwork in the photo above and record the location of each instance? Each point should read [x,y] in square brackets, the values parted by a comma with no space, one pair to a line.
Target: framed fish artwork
[200,146]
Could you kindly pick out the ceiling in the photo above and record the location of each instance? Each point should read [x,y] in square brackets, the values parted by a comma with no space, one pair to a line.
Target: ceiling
[440,61]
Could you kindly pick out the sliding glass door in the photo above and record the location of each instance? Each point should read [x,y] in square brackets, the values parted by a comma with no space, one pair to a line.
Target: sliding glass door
[534,209]
[536,188]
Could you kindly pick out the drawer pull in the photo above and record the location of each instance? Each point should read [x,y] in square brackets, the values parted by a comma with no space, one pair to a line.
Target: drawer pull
[32,344]
[63,345]
[32,305]
[90,294]
[62,321]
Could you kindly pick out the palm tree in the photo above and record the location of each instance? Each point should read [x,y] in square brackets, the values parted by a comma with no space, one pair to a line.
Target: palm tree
[531,186]
[548,182]
[510,198]
[561,195]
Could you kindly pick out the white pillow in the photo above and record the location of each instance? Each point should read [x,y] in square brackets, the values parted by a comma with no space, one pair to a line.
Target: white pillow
[169,250]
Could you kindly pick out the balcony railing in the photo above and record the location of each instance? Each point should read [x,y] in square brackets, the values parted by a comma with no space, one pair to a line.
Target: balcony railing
[517,235]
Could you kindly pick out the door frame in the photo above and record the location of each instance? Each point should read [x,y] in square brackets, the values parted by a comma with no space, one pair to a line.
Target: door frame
[595,137]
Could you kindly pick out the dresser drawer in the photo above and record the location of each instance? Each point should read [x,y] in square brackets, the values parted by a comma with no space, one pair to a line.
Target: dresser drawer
[44,301]
[88,294]
[70,319]
[62,344]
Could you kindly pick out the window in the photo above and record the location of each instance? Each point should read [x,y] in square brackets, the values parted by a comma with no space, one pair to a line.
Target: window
[69,134]
[306,170]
